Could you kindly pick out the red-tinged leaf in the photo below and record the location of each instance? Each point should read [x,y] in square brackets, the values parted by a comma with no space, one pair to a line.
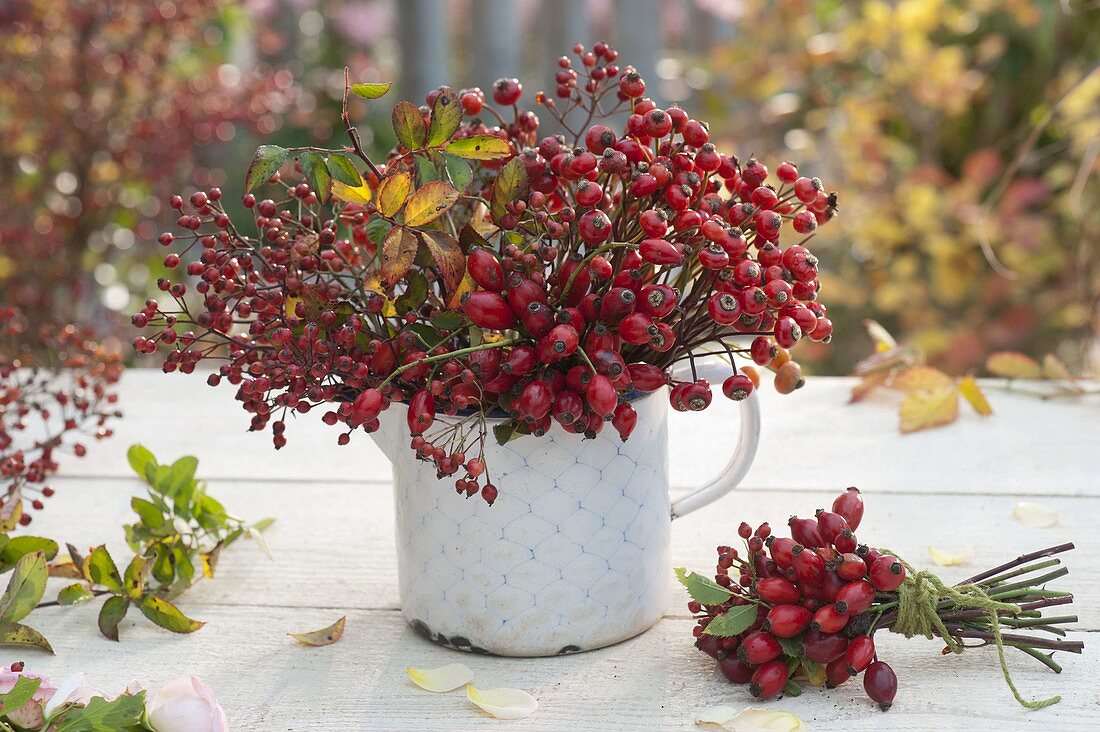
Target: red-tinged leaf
[867,385]
[973,394]
[480,147]
[1012,365]
[398,253]
[393,191]
[111,614]
[511,183]
[925,409]
[446,117]
[448,257]
[429,202]
[323,637]
[408,125]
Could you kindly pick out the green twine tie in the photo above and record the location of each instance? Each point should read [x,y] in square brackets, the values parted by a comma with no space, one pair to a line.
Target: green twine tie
[918,601]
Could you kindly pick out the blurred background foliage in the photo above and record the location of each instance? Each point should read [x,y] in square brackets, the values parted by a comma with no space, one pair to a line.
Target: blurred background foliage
[962,135]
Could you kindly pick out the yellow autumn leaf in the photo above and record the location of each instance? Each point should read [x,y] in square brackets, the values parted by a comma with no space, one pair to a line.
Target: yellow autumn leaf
[429,202]
[970,390]
[882,338]
[503,703]
[815,673]
[441,679]
[1013,365]
[322,637]
[922,378]
[928,408]
[393,191]
[351,194]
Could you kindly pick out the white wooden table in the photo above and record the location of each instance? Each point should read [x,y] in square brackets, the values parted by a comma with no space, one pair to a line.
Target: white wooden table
[333,555]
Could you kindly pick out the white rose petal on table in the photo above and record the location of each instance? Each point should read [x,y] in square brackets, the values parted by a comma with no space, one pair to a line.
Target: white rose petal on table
[442,679]
[950,559]
[503,703]
[1035,515]
[749,718]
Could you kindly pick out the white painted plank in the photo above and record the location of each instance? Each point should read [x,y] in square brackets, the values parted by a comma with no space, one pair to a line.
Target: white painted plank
[654,682]
[333,543]
[811,440]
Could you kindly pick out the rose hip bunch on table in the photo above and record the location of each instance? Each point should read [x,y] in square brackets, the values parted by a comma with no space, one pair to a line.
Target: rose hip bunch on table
[807,607]
[487,269]
[55,393]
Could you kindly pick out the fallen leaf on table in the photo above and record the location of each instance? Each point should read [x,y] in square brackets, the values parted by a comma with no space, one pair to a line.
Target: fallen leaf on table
[970,390]
[1013,365]
[1053,368]
[922,378]
[1035,515]
[750,718]
[867,385]
[946,559]
[503,703]
[923,409]
[322,637]
[441,679]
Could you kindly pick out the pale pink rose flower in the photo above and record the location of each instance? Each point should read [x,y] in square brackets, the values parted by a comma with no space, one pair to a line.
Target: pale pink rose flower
[186,705]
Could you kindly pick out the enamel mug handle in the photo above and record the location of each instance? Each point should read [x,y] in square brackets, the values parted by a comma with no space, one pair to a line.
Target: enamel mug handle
[743,454]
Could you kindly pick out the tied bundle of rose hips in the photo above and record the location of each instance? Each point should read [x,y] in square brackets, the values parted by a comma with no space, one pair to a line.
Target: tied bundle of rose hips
[806,608]
[483,270]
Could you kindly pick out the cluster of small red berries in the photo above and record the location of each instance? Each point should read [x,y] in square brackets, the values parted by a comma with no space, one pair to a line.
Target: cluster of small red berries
[56,394]
[813,592]
[601,263]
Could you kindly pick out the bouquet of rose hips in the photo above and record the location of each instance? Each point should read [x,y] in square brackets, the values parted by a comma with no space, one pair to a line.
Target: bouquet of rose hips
[482,270]
[808,607]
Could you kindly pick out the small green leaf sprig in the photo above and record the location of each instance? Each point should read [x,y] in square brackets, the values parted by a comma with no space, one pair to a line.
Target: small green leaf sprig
[176,539]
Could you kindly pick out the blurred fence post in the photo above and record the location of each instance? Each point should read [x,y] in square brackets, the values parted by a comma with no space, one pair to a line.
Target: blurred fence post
[639,38]
[495,41]
[425,56]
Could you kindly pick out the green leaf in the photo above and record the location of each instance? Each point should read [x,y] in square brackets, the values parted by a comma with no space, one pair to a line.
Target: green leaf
[415,293]
[102,570]
[510,184]
[148,512]
[792,646]
[469,238]
[481,147]
[505,432]
[16,634]
[25,588]
[343,170]
[75,594]
[446,117]
[264,524]
[164,570]
[408,125]
[792,688]
[181,475]
[459,171]
[377,228]
[168,616]
[11,510]
[313,164]
[21,693]
[19,546]
[265,163]
[111,614]
[77,557]
[426,171]
[448,320]
[261,542]
[135,577]
[324,636]
[371,89]
[734,621]
[703,590]
[140,458]
[124,712]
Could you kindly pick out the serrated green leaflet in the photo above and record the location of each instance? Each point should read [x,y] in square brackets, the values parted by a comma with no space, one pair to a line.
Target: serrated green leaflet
[734,621]
[703,590]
